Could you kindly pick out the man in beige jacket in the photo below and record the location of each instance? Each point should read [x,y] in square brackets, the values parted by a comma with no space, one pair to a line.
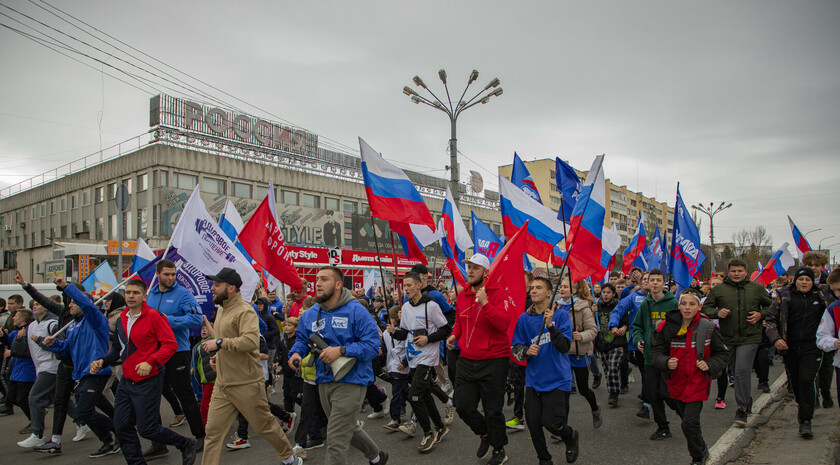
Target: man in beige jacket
[240,385]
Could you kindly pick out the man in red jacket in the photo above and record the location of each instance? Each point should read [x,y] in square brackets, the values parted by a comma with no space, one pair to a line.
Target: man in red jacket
[481,330]
[144,343]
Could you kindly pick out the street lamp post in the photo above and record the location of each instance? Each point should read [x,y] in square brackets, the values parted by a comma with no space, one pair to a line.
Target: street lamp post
[711,211]
[453,111]
[819,246]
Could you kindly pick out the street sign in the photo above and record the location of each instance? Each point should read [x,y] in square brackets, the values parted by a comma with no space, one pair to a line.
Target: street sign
[54,269]
[121,198]
[128,247]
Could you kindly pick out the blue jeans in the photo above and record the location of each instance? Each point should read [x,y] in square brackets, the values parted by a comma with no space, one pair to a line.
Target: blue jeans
[399,393]
[138,403]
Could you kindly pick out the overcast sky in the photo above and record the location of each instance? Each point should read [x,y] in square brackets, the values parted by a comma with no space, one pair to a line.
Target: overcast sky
[738,101]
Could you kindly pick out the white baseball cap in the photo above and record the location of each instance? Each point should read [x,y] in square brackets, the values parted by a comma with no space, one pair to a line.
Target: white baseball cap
[478,259]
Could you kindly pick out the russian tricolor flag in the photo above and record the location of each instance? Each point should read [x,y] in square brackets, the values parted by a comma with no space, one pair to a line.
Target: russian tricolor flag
[587,225]
[635,249]
[776,266]
[544,229]
[391,195]
[521,178]
[455,239]
[799,240]
[142,256]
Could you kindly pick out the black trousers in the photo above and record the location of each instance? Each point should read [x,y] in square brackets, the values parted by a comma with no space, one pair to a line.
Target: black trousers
[516,377]
[826,373]
[399,394]
[452,364]
[88,393]
[312,417]
[421,400]
[582,383]
[64,384]
[482,381]
[375,397]
[132,405]
[656,393]
[637,357]
[547,410]
[177,376]
[292,389]
[18,394]
[802,364]
[761,365]
[689,412]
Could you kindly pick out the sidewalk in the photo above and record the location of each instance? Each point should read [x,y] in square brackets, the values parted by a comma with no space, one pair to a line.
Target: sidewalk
[776,437]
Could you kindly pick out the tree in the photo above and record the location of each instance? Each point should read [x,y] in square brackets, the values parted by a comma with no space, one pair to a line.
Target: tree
[753,245]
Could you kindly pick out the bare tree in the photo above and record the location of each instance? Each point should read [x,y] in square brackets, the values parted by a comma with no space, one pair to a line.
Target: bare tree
[753,245]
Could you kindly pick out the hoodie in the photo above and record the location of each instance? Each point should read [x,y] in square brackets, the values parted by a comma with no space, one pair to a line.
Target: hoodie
[272,331]
[180,308]
[625,313]
[482,330]
[650,314]
[795,316]
[347,325]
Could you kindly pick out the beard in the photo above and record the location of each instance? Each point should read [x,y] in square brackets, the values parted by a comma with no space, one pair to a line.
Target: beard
[219,299]
[475,281]
[325,296]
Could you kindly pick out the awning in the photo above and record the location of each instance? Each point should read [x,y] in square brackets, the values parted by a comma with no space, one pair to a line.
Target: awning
[81,248]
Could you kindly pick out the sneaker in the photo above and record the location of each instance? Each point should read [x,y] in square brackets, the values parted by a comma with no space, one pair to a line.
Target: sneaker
[384,412]
[515,424]
[288,424]
[763,387]
[81,432]
[49,448]
[31,441]
[408,428]
[440,433]
[720,404]
[238,443]
[731,381]
[573,449]
[155,451]
[805,430]
[427,442]
[596,381]
[299,451]
[499,457]
[360,423]
[663,432]
[178,420]
[630,378]
[189,451]
[596,418]
[826,401]
[643,412]
[546,462]
[312,444]
[364,407]
[26,429]
[741,416]
[448,389]
[6,411]
[624,390]
[383,458]
[448,415]
[483,450]
[109,449]
[297,460]
[613,401]
[392,426]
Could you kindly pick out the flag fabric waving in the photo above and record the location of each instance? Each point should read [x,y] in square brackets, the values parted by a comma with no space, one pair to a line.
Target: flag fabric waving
[568,184]
[391,195]
[455,239]
[799,240]
[686,258]
[521,178]
[544,230]
[587,225]
[101,280]
[232,224]
[485,241]
[635,250]
[610,243]
[263,239]
[776,266]
[558,256]
[142,257]
[187,275]
[202,244]
[653,252]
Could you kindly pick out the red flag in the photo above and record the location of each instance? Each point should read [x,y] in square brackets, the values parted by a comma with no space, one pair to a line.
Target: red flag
[263,240]
[456,273]
[507,274]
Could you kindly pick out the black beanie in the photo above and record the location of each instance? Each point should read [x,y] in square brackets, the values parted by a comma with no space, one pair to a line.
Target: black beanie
[804,271]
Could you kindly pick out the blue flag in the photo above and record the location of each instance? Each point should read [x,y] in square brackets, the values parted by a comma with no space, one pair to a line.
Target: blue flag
[485,241]
[521,178]
[188,276]
[653,253]
[686,259]
[568,184]
[101,281]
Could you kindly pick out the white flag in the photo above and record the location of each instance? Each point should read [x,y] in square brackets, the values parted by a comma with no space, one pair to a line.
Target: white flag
[202,243]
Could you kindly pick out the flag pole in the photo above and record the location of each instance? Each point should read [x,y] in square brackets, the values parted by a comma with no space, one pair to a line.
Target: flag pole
[98,301]
[394,252]
[379,260]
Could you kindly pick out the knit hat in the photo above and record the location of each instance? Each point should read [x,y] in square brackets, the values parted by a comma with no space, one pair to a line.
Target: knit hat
[804,271]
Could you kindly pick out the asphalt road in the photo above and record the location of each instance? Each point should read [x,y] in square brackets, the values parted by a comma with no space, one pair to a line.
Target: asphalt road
[622,439]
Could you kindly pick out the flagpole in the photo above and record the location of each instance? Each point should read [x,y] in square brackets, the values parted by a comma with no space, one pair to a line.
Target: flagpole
[394,252]
[670,264]
[98,301]
[379,260]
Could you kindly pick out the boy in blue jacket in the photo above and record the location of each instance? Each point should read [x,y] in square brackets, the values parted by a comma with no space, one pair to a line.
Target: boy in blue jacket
[86,340]
[628,306]
[542,337]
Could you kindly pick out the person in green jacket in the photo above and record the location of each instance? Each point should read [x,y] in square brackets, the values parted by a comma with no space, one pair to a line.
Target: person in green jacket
[739,305]
[653,311]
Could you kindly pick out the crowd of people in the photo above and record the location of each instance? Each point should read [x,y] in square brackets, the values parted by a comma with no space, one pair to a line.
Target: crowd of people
[441,351]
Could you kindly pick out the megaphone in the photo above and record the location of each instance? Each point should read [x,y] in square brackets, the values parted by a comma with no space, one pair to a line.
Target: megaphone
[340,366]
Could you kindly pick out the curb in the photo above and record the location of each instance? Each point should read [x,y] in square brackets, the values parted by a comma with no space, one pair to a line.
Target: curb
[728,448]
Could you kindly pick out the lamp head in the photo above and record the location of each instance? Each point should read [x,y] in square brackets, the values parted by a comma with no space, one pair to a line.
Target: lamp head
[414,99]
[419,82]
[473,76]
[408,91]
[497,92]
[442,75]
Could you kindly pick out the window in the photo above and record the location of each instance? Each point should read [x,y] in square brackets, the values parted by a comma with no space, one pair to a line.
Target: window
[43,210]
[290,197]
[74,228]
[74,201]
[162,178]
[350,207]
[240,189]
[142,182]
[156,220]
[127,231]
[43,238]
[143,222]
[184,181]
[129,185]
[52,207]
[552,186]
[99,194]
[63,204]
[112,191]
[63,231]
[100,229]
[551,174]
[555,200]
[260,192]
[330,203]
[214,186]
[311,201]
[365,209]
[85,198]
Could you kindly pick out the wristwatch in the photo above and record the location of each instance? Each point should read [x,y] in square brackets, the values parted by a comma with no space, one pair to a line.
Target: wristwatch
[343,351]
[219,343]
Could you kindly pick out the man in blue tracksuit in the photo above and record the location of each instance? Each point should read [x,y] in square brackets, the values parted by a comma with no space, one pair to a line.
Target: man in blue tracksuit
[180,308]
[630,305]
[350,331]
[86,340]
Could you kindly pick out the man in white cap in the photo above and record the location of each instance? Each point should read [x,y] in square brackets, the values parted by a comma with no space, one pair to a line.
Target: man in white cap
[481,327]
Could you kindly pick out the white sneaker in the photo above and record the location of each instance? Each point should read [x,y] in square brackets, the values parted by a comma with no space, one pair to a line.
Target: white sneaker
[32,441]
[382,413]
[630,378]
[299,451]
[81,432]
[408,428]
[448,415]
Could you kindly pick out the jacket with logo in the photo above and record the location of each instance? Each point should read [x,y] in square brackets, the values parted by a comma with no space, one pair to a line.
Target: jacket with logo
[482,330]
[151,341]
[804,308]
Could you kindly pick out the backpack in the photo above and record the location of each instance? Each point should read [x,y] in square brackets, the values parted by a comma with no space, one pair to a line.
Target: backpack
[702,330]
